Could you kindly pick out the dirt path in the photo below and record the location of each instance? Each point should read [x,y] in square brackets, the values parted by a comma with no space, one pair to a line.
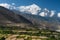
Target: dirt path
[12,37]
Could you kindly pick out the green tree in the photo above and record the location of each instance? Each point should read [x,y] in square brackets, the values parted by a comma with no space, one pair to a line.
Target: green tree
[2,38]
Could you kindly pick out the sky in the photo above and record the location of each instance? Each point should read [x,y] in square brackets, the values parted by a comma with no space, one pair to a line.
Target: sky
[50,4]
[33,5]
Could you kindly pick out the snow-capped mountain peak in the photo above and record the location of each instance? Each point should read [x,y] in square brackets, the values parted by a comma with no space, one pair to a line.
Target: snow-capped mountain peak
[31,9]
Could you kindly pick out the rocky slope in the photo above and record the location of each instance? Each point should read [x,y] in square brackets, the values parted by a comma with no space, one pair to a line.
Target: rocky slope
[52,23]
[9,18]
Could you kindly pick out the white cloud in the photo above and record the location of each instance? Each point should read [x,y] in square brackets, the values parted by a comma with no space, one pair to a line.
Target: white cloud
[58,15]
[8,6]
[5,5]
[46,12]
[52,13]
[33,9]
[42,14]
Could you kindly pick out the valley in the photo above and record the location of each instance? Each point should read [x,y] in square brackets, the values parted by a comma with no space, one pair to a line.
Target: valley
[18,33]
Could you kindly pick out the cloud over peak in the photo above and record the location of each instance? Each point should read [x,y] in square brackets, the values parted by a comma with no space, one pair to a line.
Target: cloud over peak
[58,15]
[5,5]
[8,6]
[44,12]
[33,9]
[52,13]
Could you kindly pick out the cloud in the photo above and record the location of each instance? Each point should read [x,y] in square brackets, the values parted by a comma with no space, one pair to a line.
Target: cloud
[30,9]
[58,15]
[8,6]
[52,13]
[5,5]
[33,9]
[45,12]
[42,14]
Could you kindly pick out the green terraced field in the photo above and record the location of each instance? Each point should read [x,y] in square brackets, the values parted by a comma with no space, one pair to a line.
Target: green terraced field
[28,34]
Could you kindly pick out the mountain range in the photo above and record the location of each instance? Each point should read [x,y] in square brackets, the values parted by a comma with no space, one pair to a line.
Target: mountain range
[16,18]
